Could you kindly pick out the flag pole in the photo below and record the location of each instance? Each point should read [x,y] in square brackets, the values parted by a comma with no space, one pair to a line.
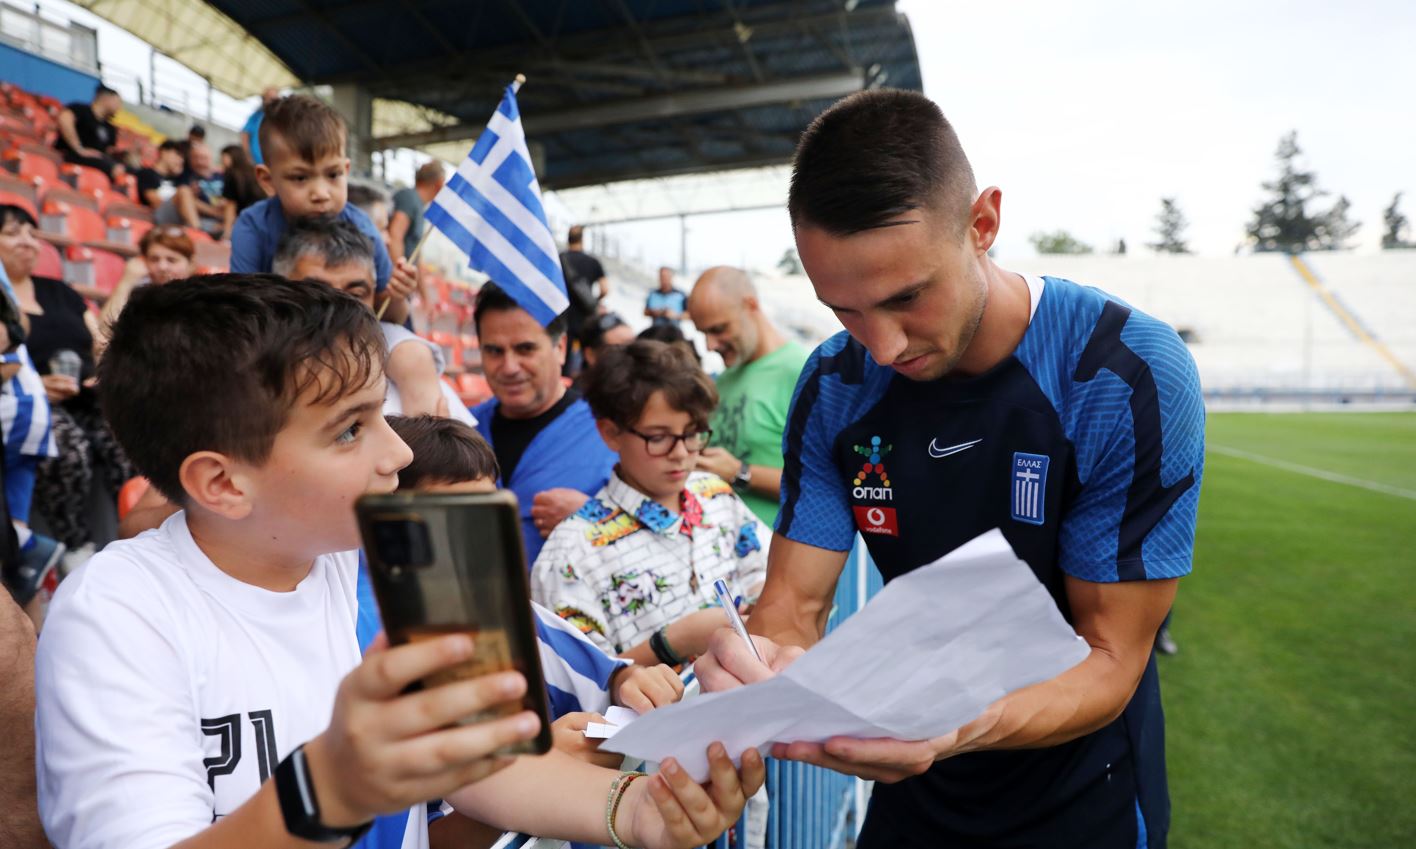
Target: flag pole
[516,84]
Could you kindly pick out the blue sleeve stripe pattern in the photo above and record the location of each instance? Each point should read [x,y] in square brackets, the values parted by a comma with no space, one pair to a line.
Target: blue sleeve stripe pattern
[1127,393]
[577,672]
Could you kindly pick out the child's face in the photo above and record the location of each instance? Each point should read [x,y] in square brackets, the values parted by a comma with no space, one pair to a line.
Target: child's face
[354,278]
[325,457]
[305,188]
[656,477]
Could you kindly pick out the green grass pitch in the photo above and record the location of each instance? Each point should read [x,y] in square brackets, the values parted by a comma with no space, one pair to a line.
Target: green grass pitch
[1291,706]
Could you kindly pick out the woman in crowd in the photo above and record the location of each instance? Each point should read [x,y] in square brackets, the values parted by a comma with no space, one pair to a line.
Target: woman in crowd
[165,254]
[606,330]
[239,187]
[61,342]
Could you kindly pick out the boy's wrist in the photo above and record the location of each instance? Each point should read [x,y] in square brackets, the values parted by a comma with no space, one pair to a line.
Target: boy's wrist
[335,810]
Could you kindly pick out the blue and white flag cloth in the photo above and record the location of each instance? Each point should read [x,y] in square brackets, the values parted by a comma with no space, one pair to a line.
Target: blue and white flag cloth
[491,209]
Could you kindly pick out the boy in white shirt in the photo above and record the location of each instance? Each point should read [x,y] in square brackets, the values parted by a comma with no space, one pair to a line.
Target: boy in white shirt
[201,685]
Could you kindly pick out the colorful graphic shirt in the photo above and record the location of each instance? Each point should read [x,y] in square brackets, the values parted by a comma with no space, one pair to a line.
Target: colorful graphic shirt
[1086,448]
[624,565]
[753,399]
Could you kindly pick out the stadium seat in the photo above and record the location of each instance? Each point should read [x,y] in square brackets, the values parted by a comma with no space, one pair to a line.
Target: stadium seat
[127,231]
[130,494]
[451,345]
[50,263]
[198,236]
[61,193]
[28,165]
[473,389]
[125,209]
[73,222]
[19,200]
[93,268]
[85,178]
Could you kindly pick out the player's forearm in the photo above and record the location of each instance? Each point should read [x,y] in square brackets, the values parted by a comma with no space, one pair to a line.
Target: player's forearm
[514,799]
[1079,701]
[787,619]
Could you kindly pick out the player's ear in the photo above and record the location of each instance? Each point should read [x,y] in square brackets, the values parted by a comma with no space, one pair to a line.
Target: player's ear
[985,216]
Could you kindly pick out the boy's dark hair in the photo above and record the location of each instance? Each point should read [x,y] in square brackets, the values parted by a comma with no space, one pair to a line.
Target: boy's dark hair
[170,144]
[444,451]
[101,90]
[334,240]
[493,298]
[217,362]
[10,212]
[196,132]
[671,334]
[874,155]
[307,127]
[620,383]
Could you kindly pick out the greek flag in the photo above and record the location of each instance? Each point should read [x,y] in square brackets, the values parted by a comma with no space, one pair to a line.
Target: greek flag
[491,209]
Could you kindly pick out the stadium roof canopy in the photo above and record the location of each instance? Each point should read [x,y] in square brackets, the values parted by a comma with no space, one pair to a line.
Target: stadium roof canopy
[617,88]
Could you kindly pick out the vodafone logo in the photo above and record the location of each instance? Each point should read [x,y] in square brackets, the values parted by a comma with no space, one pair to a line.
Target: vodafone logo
[877,520]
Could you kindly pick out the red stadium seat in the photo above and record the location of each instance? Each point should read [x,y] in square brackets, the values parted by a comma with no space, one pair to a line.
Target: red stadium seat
[85,178]
[50,263]
[93,268]
[473,389]
[19,200]
[127,231]
[122,208]
[130,494]
[198,236]
[213,257]
[61,193]
[74,222]
[28,165]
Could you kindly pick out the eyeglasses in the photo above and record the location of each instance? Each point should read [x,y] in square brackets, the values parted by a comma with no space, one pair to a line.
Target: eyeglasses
[662,444]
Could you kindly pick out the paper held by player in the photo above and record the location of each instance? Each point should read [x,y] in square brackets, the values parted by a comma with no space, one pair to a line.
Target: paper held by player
[925,656]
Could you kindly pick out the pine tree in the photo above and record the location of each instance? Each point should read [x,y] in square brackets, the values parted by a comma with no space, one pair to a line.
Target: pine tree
[1285,222]
[1395,235]
[1170,226]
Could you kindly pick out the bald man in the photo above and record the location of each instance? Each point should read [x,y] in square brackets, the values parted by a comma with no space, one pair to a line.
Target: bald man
[755,391]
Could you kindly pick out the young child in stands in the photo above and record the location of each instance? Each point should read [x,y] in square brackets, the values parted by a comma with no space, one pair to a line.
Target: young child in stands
[449,456]
[303,142]
[203,685]
[634,568]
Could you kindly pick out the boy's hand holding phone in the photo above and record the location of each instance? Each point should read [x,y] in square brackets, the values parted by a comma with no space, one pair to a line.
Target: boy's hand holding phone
[643,688]
[385,750]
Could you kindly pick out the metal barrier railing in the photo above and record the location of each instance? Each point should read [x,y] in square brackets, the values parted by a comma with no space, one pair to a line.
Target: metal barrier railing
[811,807]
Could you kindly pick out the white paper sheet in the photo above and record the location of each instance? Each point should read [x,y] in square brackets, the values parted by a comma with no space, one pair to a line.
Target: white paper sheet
[925,656]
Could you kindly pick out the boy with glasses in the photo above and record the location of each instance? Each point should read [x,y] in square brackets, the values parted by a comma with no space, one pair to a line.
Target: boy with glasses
[634,568]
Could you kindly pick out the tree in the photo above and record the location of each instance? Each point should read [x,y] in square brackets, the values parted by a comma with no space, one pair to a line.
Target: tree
[1170,226]
[790,263]
[1285,222]
[1396,225]
[1059,242]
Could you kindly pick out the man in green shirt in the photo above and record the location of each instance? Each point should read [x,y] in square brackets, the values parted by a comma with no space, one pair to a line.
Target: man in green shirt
[754,392]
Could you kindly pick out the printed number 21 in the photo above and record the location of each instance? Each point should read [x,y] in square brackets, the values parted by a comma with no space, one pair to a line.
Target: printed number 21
[228,728]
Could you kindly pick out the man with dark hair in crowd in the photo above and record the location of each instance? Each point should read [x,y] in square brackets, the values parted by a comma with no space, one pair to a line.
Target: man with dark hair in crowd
[666,304]
[405,220]
[86,131]
[542,432]
[158,185]
[1046,409]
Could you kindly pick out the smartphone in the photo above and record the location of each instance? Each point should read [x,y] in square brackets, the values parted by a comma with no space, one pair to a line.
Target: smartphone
[454,563]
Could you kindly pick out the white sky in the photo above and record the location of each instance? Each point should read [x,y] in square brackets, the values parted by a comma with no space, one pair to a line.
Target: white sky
[1087,113]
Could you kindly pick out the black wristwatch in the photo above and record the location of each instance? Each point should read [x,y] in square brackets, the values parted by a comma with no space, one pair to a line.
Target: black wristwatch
[299,807]
[659,645]
[743,477]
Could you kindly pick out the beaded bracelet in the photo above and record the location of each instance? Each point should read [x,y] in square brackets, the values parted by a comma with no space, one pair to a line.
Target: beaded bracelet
[617,791]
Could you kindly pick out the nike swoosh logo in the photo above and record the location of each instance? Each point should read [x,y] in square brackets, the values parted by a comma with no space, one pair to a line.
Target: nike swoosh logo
[936,452]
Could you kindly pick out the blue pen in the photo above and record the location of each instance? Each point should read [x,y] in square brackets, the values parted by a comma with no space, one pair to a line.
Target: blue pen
[725,599]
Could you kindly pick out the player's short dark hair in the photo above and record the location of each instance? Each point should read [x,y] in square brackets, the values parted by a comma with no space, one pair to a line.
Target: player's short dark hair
[336,241]
[217,362]
[622,380]
[444,451]
[102,90]
[306,126]
[196,132]
[874,155]
[170,144]
[493,298]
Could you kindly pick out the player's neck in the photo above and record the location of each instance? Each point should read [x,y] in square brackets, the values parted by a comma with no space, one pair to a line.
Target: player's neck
[1005,319]
[247,555]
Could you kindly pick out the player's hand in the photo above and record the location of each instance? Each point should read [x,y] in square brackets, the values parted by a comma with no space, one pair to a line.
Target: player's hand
[384,751]
[550,507]
[877,759]
[669,811]
[403,282]
[643,688]
[727,663]
[719,462]
[568,735]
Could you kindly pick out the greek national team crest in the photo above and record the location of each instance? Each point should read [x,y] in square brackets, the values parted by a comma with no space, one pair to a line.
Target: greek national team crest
[1029,487]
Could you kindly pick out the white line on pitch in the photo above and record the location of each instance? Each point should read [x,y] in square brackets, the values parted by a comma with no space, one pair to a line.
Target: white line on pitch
[1321,474]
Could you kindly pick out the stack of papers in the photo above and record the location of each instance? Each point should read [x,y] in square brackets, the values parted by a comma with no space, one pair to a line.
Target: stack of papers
[615,718]
[925,656]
